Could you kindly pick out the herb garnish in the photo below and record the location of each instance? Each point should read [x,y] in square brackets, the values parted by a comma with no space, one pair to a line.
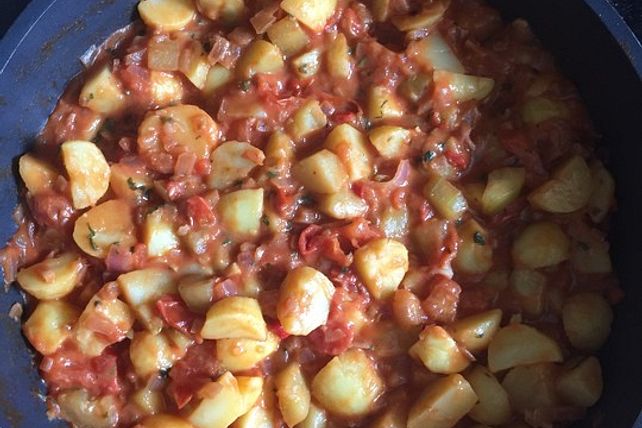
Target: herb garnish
[479,239]
[91,236]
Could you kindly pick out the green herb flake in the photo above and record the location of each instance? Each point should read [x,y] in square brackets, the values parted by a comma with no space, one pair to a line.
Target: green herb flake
[245,85]
[227,241]
[428,156]
[479,239]
[166,119]
[91,236]
[304,68]
[265,220]
[272,174]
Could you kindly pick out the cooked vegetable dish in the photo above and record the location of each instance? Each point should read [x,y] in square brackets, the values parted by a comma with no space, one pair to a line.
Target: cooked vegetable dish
[317,214]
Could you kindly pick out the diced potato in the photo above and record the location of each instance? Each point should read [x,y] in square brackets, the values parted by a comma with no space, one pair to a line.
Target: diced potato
[312,13]
[150,353]
[235,318]
[348,385]
[304,301]
[307,64]
[425,18]
[37,175]
[103,226]
[493,407]
[590,254]
[102,93]
[443,403]
[383,104]
[229,11]
[316,418]
[531,387]
[197,292]
[257,417]
[158,232]
[221,403]
[237,355]
[350,146]
[462,87]
[433,52]
[166,15]
[217,77]
[165,88]
[603,195]
[519,344]
[194,65]
[163,54]
[476,331]
[380,10]
[539,109]
[342,205]
[250,388]
[395,416]
[288,36]
[339,62]
[381,264]
[88,172]
[439,351]
[241,212]
[260,57]
[497,280]
[415,86]
[541,245]
[82,410]
[394,222]
[503,187]
[52,278]
[149,402]
[390,141]
[142,288]
[447,199]
[529,287]
[279,150]
[165,421]
[587,319]
[475,253]
[179,342]
[233,161]
[581,385]
[308,119]
[293,394]
[568,190]
[322,172]
[50,325]
[130,182]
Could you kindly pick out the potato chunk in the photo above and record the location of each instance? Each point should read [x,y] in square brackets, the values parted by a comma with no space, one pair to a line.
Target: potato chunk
[229,11]
[312,13]
[288,36]
[88,172]
[50,325]
[603,195]
[342,205]
[423,19]
[232,161]
[103,226]
[439,352]
[250,388]
[338,58]
[531,387]
[158,232]
[581,385]
[37,175]
[293,394]
[52,278]
[150,353]
[475,253]
[166,15]
[443,403]
[307,64]
[241,212]
[317,418]
[519,344]
[476,331]
[493,407]
[238,355]
[221,403]
[102,93]
[381,264]
[541,245]
[260,57]
[165,421]
[587,319]
[165,88]
[323,172]
[568,190]
[529,287]
[348,385]
[447,199]
[503,187]
[383,104]
[307,120]
[350,146]
[390,141]
[462,87]
[433,52]
[235,318]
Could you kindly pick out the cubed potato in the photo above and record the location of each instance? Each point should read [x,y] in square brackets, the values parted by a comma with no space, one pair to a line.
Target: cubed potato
[493,407]
[80,409]
[317,418]
[221,403]
[529,286]
[539,109]
[348,385]
[158,232]
[582,384]
[568,190]
[235,318]
[241,212]
[293,394]
[88,172]
[150,353]
[381,264]
[217,77]
[257,417]
[130,182]
[590,254]
[102,93]
[165,421]
[308,119]
[383,104]
[415,87]
[308,64]
[279,151]
[312,13]
[166,15]
[475,252]
[37,175]
[394,222]
[390,141]
[163,53]
[165,88]
[476,331]
[197,292]
[587,319]
[443,403]
[194,64]
[250,388]
[462,87]
[395,416]
[233,161]
[304,301]
[288,36]
[342,205]
[52,278]
[541,244]
[503,187]
[603,194]
[50,325]
[519,344]
[531,387]
[149,401]
[260,57]
[434,53]
[351,147]
[338,61]
[423,19]
[103,226]
[322,172]
[228,11]
[439,352]
[237,355]
[447,199]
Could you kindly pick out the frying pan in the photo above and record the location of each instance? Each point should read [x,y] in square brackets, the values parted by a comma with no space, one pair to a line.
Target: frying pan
[593,46]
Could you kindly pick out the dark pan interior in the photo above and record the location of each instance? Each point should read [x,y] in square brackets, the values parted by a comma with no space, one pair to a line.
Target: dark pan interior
[52,34]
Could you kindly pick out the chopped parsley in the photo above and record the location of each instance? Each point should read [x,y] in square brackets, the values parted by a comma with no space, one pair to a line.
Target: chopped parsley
[166,119]
[227,241]
[91,236]
[245,85]
[304,68]
[479,239]
[265,220]
[272,174]
[428,156]
[133,186]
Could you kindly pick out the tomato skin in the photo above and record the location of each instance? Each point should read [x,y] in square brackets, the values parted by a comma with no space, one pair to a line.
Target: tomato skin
[442,301]
[175,313]
[198,367]
[199,211]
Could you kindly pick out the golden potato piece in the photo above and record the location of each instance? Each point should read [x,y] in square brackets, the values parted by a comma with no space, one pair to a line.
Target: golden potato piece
[603,195]
[463,87]
[381,264]
[50,325]
[342,205]
[260,57]
[158,231]
[241,212]
[383,104]
[439,352]
[150,353]
[37,175]
[307,120]
[238,355]
[323,172]
[221,403]
[338,59]
[288,36]
[493,407]
[447,199]
[232,161]
[102,93]
[166,15]
[587,319]
[568,190]
[293,394]
[227,10]
[390,141]
[475,253]
[531,387]
[519,344]
[581,385]
[312,13]
[165,421]
[52,278]
[433,52]
[350,145]
[317,418]
[476,331]
[541,245]
[88,172]
[103,226]
[503,187]
[443,403]
[250,388]
[235,318]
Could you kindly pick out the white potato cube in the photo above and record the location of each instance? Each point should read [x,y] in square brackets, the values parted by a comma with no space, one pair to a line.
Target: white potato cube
[293,394]
[447,199]
[166,15]
[390,141]
[338,58]
[250,388]
[238,355]
[52,278]
[149,401]
[541,244]
[165,421]
[197,292]
[529,287]
[426,18]
[590,254]
[587,319]
[233,161]
[603,195]
[221,403]
[307,120]
[383,104]
[130,182]
[308,64]
[581,385]
[36,174]
[50,325]
[493,407]
[260,57]
[433,52]
[342,205]
[150,353]
[439,352]
[102,93]
[103,226]
[475,253]
[531,387]
[88,172]
[476,331]
[241,212]
[322,172]
[394,222]
[462,87]
[235,318]
[165,88]
[194,65]
[503,187]
[312,13]
[229,11]
[217,77]
[351,146]
[381,264]
[568,190]
[288,36]
[519,344]
[540,109]
[317,418]
[443,403]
